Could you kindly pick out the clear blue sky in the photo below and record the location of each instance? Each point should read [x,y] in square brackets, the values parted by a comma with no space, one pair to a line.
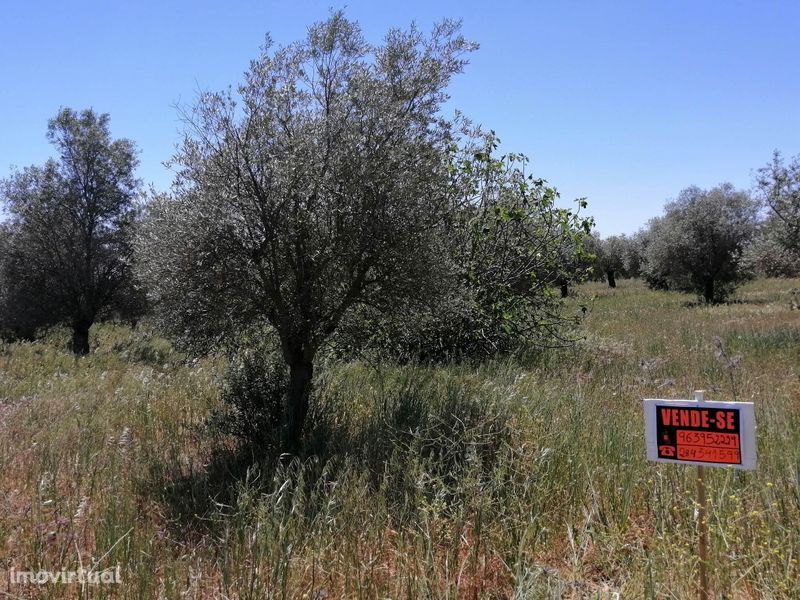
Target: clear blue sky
[623,102]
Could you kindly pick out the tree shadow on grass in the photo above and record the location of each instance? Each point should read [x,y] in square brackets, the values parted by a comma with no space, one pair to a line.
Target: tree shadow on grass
[693,304]
[731,302]
[750,301]
[444,432]
[201,500]
[196,498]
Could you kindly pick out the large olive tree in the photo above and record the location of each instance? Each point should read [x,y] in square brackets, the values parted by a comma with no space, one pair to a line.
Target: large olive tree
[313,188]
[697,245]
[68,242]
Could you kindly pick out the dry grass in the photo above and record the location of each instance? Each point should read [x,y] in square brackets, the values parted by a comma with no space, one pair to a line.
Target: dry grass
[543,493]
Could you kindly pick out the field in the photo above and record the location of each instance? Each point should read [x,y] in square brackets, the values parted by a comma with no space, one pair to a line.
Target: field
[524,480]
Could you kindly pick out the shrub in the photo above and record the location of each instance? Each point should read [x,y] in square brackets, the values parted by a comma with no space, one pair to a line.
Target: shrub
[142,347]
[253,395]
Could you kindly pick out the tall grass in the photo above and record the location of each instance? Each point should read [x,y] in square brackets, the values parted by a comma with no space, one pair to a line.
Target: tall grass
[507,480]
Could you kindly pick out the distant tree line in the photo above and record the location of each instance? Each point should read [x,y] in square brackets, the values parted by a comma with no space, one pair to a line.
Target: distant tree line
[709,241]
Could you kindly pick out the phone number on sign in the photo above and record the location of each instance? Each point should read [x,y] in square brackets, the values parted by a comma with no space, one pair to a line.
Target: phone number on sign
[705,454]
[708,438]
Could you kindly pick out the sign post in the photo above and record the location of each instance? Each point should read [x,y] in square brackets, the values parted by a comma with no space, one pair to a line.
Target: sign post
[706,434]
[702,523]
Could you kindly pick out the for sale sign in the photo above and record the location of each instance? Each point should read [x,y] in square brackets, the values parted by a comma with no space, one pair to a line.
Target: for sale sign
[701,433]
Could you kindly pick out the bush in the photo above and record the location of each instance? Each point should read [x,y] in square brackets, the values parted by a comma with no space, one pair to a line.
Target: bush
[253,395]
[142,347]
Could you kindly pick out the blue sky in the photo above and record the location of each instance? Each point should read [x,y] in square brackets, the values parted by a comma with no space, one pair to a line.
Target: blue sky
[625,103]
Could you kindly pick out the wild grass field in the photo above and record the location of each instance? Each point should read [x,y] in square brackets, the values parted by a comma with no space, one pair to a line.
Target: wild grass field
[523,480]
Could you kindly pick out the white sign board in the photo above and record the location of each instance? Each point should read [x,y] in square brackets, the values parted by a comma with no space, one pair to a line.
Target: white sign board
[714,434]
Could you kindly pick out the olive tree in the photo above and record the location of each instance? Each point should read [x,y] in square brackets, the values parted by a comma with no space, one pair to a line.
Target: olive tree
[778,186]
[697,245]
[611,255]
[617,256]
[311,189]
[769,255]
[634,254]
[68,241]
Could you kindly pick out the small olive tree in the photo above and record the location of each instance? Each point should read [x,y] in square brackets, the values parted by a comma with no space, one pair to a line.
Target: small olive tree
[68,242]
[312,190]
[697,245]
[611,253]
[617,256]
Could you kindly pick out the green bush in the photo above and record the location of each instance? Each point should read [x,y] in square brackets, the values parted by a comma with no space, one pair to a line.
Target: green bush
[253,397]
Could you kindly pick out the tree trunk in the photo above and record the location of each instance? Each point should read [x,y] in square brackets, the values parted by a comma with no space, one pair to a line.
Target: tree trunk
[612,283]
[80,337]
[708,290]
[564,290]
[301,372]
